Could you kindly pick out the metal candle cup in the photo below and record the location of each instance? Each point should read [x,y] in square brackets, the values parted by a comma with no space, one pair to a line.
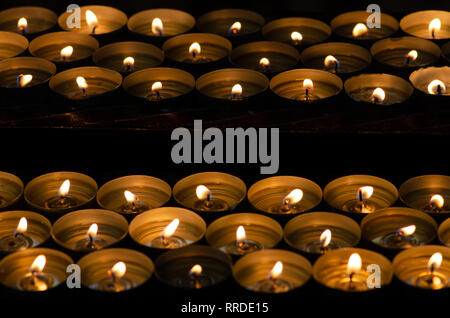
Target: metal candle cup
[97,270]
[11,189]
[44,192]
[35,232]
[38,20]
[151,228]
[444,232]
[260,232]
[12,44]
[11,69]
[418,24]
[422,80]
[133,194]
[73,230]
[255,271]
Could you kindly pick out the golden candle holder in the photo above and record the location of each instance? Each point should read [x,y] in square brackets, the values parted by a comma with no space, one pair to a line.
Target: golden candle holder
[296,31]
[431,80]
[11,189]
[345,270]
[159,83]
[83,83]
[306,85]
[360,194]
[265,56]
[210,192]
[21,230]
[444,232]
[167,228]
[63,47]
[318,233]
[127,57]
[27,20]
[336,57]
[398,228]
[378,89]
[60,191]
[12,44]
[272,271]
[284,195]
[25,72]
[95,20]
[89,230]
[352,25]
[193,267]
[426,267]
[244,233]
[133,194]
[428,24]
[34,269]
[115,270]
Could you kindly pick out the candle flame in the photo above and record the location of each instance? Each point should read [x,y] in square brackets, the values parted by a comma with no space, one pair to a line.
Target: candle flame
[296,36]
[408,230]
[436,87]
[364,193]
[38,264]
[412,55]
[354,264]
[66,52]
[196,270]
[156,86]
[235,27]
[236,89]
[434,27]
[81,82]
[24,80]
[434,262]
[378,95]
[277,270]
[325,238]
[91,19]
[93,229]
[308,84]
[157,26]
[437,200]
[264,62]
[22,24]
[119,269]
[129,196]
[203,193]
[195,49]
[329,61]
[64,188]
[22,226]
[171,228]
[360,29]
[293,197]
[241,236]
[128,61]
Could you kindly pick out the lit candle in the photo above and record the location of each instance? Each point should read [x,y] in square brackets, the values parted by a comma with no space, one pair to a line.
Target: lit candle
[82,84]
[92,233]
[167,238]
[264,63]
[35,279]
[432,278]
[436,87]
[91,20]
[157,27]
[436,203]
[22,25]
[290,200]
[296,38]
[325,239]
[18,240]
[235,28]
[66,53]
[378,96]
[196,276]
[331,62]
[307,85]
[133,204]
[24,80]
[155,91]
[236,92]
[195,50]
[402,238]
[362,197]
[243,245]
[353,267]
[204,195]
[116,281]
[411,56]
[128,64]
[360,30]
[274,283]
[434,27]
[62,200]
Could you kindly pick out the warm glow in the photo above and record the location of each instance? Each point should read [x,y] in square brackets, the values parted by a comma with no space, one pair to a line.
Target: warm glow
[119,269]
[378,94]
[294,196]
[129,196]
[128,61]
[195,49]
[329,61]
[277,270]
[412,55]
[157,86]
[240,234]
[296,36]
[93,229]
[237,89]
[325,238]
[202,192]
[22,23]
[235,27]
[364,193]
[22,226]
[157,26]
[171,228]
[434,26]
[196,270]
[38,264]
[360,29]
[64,188]
[435,262]
[67,52]
[24,80]
[264,62]
[81,82]
[308,84]
[408,230]
[354,264]
[437,200]
[91,19]
[436,87]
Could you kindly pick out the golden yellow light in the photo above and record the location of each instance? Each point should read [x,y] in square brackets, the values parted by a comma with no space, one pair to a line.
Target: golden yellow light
[434,262]
[171,228]
[195,49]
[296,36]
[378,94]
[308,83]
[354,264]
[202,192]
[24,80]
[277,270]
[91,19]
[157,26]
[434,27]
[436,87]
[241,236]
[119,269]
[81,82]
[264,62]
[128,61]
[293,197]
[412,55]
[325,238]
[364,193]
[437,200]
[22,24]
[196,270]
[408,230]
[236,90]
[64,188]
[129,196]
[329,61]
[93,230]
[359,30]
[38,264]
[235,27]
[66,52]
[156,86]
[22,226]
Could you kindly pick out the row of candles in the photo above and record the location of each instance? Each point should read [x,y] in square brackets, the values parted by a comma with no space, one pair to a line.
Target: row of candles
[331,236]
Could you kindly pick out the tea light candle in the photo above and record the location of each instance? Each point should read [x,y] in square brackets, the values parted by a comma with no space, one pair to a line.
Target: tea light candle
[444,232]
[27,20]
[320,232]
[405,52]
[379,89]
[306,85]
[34,269]
[133,194]
[167,228]
[193,267]
[398,228]
[265,56]
[11,189]
[429,24]
[95,20]
[21,230]
[159,83]
[162,23]
[272,271]
[63,47]
[87,82]
[89,230]
[345,269]
[12,44]
[296,31]
[428,193]
[25,72]
[127,57]
[60,191]
[360,193]
[115,270]
[352,25]
[210,192]
[232,84]
[243,233]
[284,195]
[426,267]
[432,80]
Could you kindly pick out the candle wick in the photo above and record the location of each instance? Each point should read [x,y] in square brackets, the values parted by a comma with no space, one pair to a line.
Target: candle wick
[408,59]
[94,28]
[307,94]
[439,90]
[336,66]
[432,33]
